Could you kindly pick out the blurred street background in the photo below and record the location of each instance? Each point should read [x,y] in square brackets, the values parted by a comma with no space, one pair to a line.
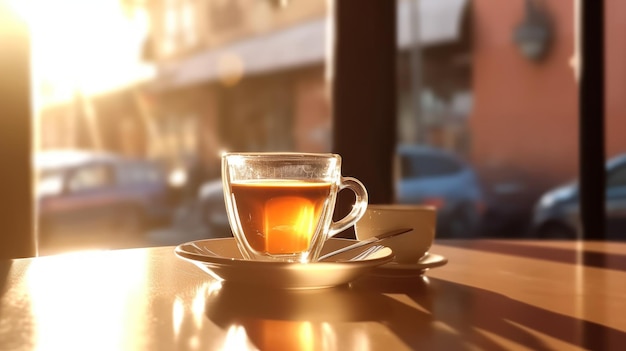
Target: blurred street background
[135,100]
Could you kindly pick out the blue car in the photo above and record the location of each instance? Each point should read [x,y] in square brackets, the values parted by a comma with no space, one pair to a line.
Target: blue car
[428,176]
[436,177]
[557,212]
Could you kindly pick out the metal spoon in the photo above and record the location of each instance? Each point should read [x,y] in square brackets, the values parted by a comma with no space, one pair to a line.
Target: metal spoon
[365,242]
[367,252]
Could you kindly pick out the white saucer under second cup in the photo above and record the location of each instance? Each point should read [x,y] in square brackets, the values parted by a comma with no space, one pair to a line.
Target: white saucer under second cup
[394,269]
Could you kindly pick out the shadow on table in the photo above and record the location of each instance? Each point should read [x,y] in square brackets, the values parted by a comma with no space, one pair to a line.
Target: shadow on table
[308,319]
[234,303]
[422,313]
[469,313]
[587,257]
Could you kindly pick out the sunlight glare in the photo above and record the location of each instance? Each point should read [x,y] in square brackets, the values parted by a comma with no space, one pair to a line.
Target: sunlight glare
[75,293]
[178,312]
[87,46]
[237,339]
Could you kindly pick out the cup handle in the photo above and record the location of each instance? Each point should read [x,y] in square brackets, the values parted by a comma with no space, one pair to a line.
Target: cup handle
[358,209]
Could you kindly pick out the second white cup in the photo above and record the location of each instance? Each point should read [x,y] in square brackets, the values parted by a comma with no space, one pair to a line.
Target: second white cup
[408,247]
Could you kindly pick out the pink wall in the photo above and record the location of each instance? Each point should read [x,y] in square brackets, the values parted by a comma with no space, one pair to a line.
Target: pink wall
[526,114]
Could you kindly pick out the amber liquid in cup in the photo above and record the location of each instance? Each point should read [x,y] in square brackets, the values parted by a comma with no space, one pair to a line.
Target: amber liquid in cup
[280,216]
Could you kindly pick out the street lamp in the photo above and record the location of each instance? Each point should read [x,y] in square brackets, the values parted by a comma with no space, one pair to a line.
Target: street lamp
[534,34]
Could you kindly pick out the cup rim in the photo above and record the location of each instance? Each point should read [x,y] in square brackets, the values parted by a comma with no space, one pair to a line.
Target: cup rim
[288,154]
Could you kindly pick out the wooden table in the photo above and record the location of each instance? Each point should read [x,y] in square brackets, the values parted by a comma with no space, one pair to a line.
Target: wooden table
[492,295]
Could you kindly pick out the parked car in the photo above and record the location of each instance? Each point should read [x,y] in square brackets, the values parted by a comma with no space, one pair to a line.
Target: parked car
[83,191]
[557,212]
[428,176]
[433,176]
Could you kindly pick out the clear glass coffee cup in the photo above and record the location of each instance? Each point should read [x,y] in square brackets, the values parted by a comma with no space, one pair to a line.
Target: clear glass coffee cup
[280,205]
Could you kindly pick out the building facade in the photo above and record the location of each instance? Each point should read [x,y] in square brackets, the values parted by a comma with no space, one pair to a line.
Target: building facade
[524,121]
[241,75]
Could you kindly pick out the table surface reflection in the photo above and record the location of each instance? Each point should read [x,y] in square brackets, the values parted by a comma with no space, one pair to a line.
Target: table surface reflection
[492,294]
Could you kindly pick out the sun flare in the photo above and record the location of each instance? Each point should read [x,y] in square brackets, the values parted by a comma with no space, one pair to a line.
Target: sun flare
[84,46]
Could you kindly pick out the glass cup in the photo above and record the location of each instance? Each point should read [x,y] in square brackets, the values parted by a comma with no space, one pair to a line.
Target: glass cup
[280,205]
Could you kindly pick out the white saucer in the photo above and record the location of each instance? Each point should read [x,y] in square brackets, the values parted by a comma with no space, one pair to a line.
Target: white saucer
[222,260]
[394,269]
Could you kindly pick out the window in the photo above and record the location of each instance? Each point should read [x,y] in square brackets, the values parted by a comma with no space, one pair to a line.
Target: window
[90,178]
[259,82]
[221,75]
